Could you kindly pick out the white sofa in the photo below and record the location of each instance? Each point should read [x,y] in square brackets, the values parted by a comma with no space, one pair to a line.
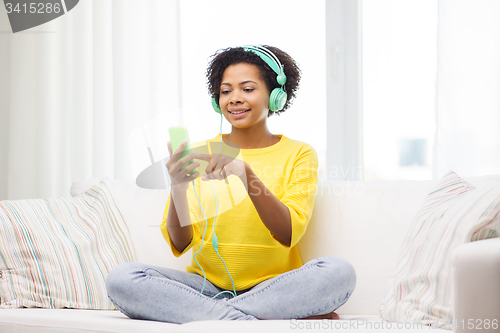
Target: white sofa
[363,222]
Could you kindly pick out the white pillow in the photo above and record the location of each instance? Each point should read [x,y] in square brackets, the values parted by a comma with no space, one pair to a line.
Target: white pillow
[365,223]
[453,214]
[143,211]
[57,253]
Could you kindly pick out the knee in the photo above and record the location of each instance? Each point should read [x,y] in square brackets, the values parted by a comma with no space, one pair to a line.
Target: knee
[119,278]
[338,272]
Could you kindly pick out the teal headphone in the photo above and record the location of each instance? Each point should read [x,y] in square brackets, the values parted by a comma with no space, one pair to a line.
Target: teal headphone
[277,99]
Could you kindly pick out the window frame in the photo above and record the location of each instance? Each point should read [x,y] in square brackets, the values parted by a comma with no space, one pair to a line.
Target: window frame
[344,152]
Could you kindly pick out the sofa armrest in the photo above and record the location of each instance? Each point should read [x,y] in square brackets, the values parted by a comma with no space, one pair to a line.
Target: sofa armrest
[476,286]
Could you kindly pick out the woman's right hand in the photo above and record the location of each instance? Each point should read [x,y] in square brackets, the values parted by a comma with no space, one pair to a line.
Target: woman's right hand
[178,176]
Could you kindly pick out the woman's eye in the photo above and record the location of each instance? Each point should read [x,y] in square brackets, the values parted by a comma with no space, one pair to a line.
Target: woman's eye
[224,92]
[248,89]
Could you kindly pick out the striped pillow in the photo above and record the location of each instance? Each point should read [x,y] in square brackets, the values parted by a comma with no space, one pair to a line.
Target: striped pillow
[56,253]
[453,214]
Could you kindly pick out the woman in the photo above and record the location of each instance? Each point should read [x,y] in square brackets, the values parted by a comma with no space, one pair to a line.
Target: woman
[246,265]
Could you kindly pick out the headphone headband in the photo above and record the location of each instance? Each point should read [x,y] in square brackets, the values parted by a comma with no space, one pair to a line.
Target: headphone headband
[270,58]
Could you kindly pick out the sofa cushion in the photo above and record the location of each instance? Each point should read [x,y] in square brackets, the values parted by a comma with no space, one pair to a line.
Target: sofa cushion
[56,253]
[92,321]
[77,321]
[452,214]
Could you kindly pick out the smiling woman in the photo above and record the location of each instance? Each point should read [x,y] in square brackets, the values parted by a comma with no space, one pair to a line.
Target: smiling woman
[253,261]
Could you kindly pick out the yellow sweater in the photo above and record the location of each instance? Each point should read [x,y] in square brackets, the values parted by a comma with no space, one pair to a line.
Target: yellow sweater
[289,169]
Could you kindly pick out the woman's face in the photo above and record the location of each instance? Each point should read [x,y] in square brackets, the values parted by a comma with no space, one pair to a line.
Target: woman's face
[242,89]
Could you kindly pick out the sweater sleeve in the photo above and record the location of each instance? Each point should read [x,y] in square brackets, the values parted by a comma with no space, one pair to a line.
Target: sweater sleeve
[194,213]
[300,192]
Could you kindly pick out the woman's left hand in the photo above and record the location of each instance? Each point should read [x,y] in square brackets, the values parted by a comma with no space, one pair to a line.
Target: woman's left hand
[221,166]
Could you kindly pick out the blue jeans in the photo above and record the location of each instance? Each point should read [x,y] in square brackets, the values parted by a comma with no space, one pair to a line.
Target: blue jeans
[148,292]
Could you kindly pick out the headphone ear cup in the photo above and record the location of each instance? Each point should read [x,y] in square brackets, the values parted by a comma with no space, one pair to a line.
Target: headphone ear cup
[277,100]
[216,106]
[281,78]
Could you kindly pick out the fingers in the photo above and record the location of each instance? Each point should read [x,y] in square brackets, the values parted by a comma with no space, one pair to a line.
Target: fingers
[217,167]
[175,158]
[186,179]
[214,156]
[180,149]
[181,169]
[211,168]
[185,174]
[169,148]
[204,157]
[187,170]
[184,165]
[218,173]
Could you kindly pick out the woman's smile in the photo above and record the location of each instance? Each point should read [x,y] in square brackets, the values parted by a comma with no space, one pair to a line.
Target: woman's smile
[238,112]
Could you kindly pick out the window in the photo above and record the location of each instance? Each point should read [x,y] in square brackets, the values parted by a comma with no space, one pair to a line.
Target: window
[398,83]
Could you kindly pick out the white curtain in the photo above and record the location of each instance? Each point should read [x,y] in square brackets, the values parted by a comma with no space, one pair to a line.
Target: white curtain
[74,89]
[468,88]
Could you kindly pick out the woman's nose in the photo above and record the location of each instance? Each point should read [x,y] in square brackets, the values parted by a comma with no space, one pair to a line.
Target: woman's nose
[236,98]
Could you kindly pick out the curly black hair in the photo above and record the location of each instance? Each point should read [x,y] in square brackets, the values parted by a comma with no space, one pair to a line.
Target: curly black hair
[224,58]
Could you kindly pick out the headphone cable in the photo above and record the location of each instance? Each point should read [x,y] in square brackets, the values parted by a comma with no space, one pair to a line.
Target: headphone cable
[215,240]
